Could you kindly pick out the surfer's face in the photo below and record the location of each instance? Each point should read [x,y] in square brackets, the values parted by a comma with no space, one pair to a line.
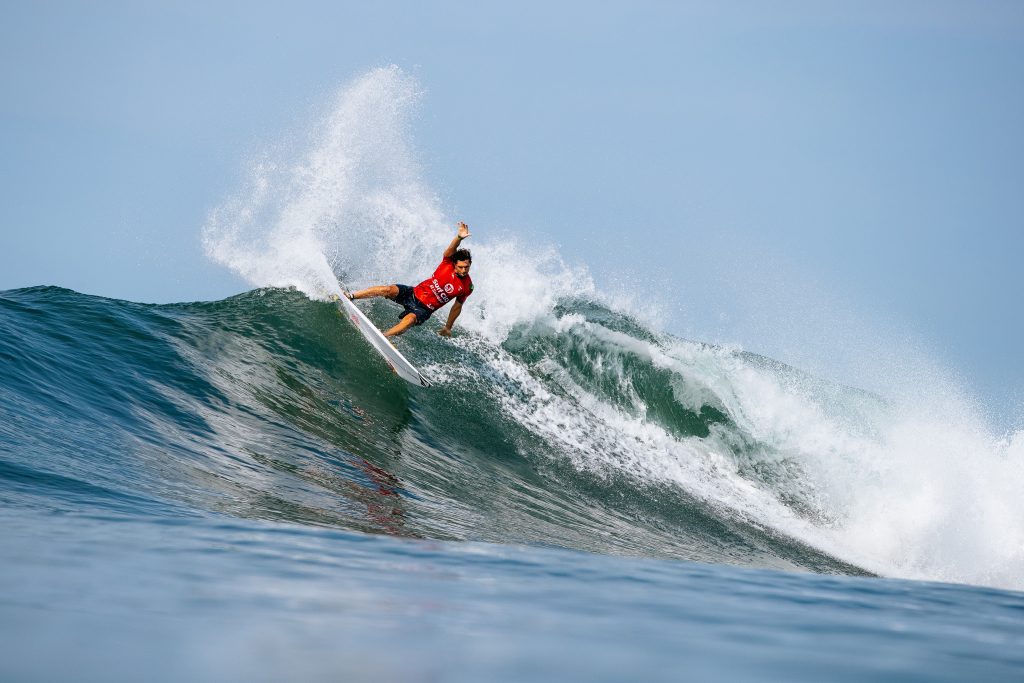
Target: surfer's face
[462,268]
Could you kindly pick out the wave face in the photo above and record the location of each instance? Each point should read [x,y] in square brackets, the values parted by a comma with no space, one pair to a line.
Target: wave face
[585,430]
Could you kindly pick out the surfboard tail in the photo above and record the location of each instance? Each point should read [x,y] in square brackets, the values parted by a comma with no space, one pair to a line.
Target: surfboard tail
[381,344]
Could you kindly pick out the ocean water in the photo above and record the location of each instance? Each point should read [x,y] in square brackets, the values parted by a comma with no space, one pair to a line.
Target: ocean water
[241,490]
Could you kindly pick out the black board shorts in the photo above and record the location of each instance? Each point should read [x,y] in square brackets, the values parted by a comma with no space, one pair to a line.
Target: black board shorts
[407,300]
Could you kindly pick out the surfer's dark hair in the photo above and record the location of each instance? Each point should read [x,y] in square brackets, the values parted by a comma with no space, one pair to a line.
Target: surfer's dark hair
[462,255]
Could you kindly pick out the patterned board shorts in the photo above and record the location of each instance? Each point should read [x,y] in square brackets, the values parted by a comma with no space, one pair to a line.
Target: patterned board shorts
[407,300]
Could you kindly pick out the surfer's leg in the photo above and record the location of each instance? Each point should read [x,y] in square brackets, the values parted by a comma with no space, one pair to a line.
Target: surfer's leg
[406,322]
[390,291]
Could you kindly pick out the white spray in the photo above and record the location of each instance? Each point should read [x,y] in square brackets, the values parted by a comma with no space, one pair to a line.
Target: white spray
[905,489]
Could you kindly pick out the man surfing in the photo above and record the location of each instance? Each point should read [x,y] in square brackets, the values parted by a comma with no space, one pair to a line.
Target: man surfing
[450,281]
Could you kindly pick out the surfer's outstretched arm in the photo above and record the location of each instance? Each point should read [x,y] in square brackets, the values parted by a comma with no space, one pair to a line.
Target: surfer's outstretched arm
[446,331]
[454,246]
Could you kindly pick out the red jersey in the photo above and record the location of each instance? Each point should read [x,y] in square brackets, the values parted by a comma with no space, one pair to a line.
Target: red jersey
[443,287]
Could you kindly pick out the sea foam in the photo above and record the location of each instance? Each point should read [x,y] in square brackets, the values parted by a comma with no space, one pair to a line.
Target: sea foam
[904,485]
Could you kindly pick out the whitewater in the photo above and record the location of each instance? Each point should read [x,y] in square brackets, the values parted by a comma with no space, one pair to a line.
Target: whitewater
[241,489]
[914,491]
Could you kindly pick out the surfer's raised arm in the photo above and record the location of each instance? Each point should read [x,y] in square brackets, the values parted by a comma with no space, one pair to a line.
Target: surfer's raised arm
[454,246]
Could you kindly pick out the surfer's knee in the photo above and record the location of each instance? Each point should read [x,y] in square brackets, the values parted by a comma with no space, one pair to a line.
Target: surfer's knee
[402,326]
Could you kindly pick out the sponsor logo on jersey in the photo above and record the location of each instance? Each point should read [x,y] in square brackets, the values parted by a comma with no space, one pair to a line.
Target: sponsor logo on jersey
[438,291]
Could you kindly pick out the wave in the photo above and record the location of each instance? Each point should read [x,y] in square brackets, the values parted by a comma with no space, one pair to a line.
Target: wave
[269,405]
[560,415]
[585,430]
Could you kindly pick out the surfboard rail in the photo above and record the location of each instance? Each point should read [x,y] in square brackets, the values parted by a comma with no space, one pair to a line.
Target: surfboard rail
[392,356]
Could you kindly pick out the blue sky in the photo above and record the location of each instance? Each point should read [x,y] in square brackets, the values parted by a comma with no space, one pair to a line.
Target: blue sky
[812,180]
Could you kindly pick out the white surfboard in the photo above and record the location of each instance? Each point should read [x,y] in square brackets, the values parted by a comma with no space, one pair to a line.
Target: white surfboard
[395,360]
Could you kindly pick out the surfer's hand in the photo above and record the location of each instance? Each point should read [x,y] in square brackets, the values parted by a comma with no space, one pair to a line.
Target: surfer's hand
[463,230]
[445,331]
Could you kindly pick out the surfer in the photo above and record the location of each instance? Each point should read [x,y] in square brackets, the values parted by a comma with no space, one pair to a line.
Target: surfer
[450,281]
